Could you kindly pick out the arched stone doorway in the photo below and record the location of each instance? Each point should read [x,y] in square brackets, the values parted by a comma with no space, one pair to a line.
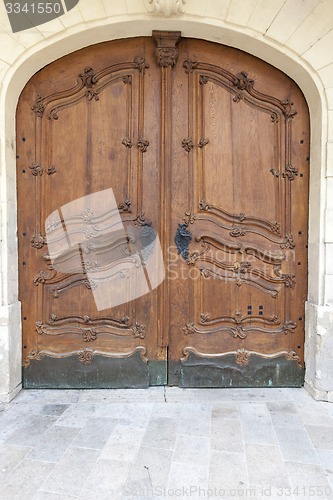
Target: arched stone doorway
[215,31]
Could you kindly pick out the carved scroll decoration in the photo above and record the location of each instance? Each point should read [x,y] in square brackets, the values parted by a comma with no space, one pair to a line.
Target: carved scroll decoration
[242,87]
[165,8]
[107,326]
[38,241]
[187,144]
[125,206]
[85,356]
[166,47]
[273,227]
[182,239]
[242,356]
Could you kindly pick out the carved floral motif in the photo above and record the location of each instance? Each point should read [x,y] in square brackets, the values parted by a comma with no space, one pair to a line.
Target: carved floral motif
[38,241]
[190,66]
[143,145]
[85,356]
[275,172]
[167,56]
[125,206]
[127,143]
[238,231]
[40,327]
[51,170]
[288,242]
[182,240]
[166,47]
[89,335]
[187,144]
[138,330]
[189,218]
[140,64]
[36,169]
[238,332]
[44,275]
[203,143]
[290,172]
[140,220]
[89,80]
[203,205]
[189,328]
[242,357]
[127,79]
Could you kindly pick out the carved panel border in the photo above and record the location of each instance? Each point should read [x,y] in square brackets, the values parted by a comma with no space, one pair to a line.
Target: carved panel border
[239,330]
[242,356]
[89,85]
[85,356]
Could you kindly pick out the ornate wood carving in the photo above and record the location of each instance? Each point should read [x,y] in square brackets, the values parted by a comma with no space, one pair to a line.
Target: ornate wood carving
[127,143]
[189,218]
[166,47]
[125,206]
[242,87]
[36,169]
[105,320]
[288,242]
[39,107]
[182,240]
[88,78]
[89,334]
[190,66]
[203,143]
[275,172]
[51,170]
[225,244]
[238,319]
[105,326]
[127,79]
[44,275]
[138,330]
[85,356]
[140,64]
[235,230]
[38,241]
[140,220]
[89,84]
[143,145]
[242,355]
[290,172]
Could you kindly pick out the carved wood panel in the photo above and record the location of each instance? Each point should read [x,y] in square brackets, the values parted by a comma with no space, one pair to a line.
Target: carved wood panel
[240,221]
[88,125]
[205,145]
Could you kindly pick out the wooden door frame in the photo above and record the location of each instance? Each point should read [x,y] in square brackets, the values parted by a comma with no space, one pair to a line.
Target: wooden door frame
[35,59]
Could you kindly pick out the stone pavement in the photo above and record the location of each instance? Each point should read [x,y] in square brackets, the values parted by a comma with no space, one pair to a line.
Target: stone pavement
[166,442]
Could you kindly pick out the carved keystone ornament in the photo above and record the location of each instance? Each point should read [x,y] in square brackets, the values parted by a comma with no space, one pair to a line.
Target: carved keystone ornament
[166,8]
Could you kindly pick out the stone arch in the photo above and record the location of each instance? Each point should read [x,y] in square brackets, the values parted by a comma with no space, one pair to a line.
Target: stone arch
[86,34]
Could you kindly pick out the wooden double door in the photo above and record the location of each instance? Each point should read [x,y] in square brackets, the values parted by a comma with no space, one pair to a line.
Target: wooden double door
[205,151]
